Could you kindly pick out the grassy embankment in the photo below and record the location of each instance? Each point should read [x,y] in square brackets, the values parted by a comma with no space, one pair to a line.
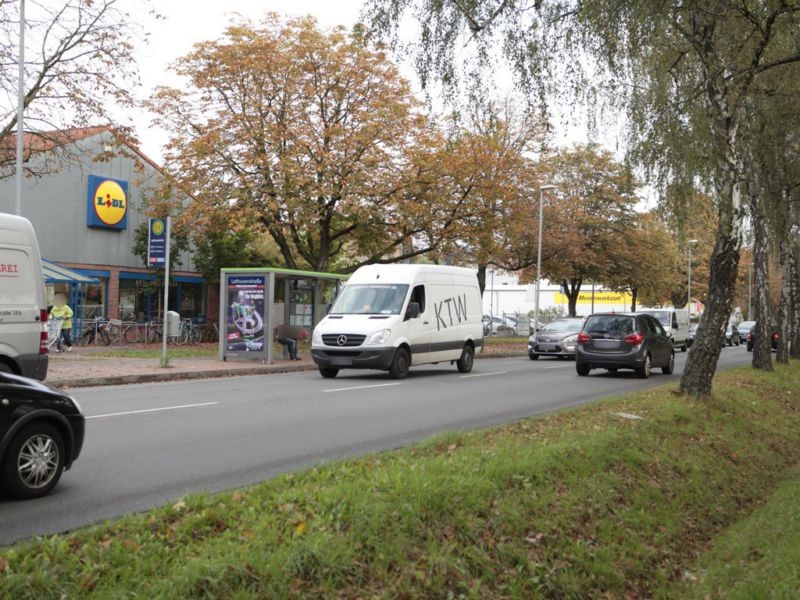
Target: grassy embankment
[577,504]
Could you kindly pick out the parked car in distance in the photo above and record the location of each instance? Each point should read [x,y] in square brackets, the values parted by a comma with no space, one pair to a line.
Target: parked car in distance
[615,341]
[744,328]
[41,436]
[774,336]
[496,325]
[557,338]
[731,335]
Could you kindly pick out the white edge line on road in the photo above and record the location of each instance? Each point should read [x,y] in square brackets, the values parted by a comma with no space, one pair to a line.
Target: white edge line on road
[361,387]
[484,374]
[148,410]
[560,367]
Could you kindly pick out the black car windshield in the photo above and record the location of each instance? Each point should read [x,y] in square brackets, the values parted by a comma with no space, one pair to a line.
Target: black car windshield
[370,299]
[571,326]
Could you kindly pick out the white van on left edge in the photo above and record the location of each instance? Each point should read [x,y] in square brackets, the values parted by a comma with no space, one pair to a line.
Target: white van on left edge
[23,304]
[392,317]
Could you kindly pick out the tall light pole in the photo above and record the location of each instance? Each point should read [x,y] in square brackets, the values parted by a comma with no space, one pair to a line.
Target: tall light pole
[20,110]
[542,189]
[750,291]
[689,284]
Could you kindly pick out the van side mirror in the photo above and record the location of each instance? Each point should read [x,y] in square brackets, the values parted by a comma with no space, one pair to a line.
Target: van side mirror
[412,312]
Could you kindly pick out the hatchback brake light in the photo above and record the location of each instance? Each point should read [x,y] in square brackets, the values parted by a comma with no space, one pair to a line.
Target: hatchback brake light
[634,338]
[776,336]
[583,338]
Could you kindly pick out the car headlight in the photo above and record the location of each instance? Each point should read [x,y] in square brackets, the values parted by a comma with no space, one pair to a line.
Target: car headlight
[570,340]
[316,338]
[379,338]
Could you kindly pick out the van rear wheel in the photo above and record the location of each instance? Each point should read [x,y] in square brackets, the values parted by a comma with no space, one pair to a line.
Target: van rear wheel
[400,364]
[464,363]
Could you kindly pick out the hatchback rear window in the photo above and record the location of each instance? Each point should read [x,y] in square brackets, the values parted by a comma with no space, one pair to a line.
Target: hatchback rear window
[609,326]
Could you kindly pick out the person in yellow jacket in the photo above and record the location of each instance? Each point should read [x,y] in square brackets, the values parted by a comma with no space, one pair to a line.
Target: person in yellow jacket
[62,311]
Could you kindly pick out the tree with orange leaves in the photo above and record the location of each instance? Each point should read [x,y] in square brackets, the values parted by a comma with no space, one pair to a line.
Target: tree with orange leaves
[309,138]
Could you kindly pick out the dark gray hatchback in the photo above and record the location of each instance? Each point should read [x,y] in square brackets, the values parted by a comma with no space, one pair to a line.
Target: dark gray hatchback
[615,341]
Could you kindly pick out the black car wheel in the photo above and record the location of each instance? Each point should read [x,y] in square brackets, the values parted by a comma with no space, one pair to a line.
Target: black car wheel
[644,371]
[464,363]
[670,366]
[533,356]
[400,364]
[328,372]
[33,462]
[581,369]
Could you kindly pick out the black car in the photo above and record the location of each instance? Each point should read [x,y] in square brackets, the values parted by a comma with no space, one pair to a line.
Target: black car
[774,336]
[615,341]
[41,435]
[744,328]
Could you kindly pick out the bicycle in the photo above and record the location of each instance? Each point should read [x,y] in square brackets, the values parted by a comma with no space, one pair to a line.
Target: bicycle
[89,334]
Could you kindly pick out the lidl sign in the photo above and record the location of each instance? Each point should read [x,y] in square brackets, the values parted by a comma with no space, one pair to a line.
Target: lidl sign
[107,206]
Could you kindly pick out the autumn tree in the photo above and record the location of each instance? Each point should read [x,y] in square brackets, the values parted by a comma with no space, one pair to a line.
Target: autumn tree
[78,66]
[587,218]
[312,137]
[488,166]
[644,261]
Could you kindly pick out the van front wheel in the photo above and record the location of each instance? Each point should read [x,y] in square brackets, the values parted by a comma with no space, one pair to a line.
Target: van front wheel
[400,364]
[464,363]
[328,372]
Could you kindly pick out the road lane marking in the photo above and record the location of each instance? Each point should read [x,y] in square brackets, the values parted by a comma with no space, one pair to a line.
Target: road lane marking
[484,374]
[560,367]
[149,410]
[361,387]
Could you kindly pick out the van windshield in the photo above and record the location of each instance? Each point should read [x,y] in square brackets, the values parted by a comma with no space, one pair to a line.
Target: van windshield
[370,299]
[662,315]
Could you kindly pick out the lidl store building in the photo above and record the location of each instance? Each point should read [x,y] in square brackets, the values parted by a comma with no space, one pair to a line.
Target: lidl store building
[85,214]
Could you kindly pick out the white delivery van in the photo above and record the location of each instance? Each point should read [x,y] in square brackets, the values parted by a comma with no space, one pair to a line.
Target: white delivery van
[23,304]
[391,317]
[675,322]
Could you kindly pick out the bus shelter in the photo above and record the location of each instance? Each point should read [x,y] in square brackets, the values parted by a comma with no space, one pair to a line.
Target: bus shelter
[253,302]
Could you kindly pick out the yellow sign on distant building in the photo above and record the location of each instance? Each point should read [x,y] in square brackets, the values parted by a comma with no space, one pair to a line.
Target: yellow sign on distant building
[600,297]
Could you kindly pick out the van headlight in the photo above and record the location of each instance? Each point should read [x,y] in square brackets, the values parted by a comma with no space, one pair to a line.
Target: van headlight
[316,338]
[379,338]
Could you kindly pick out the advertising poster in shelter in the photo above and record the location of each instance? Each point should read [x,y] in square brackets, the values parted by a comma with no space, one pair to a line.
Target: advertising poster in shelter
[244,331]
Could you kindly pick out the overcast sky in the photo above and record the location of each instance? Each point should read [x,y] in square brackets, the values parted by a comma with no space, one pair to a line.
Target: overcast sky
[186,22]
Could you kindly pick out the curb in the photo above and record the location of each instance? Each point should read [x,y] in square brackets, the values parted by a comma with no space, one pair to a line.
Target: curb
[213,374]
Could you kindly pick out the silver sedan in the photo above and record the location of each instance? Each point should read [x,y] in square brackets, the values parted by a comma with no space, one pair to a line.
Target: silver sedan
[557,338]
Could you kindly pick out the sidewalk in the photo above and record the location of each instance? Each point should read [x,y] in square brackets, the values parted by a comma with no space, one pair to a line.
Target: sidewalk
[84,368]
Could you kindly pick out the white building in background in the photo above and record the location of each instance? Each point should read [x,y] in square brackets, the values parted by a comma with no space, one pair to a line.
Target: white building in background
[505,295]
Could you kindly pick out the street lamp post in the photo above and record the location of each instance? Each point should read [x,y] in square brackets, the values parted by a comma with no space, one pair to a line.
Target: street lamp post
[542,189]
[750,292]
[689,283]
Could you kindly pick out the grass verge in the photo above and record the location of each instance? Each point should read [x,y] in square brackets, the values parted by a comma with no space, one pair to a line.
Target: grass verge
[759,557]
[583,503]
[202,351]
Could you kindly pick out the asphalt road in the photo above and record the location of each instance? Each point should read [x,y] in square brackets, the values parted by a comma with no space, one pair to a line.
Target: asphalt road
[149,444]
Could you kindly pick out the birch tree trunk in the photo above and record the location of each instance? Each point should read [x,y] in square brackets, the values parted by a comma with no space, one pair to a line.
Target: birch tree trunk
[762,351]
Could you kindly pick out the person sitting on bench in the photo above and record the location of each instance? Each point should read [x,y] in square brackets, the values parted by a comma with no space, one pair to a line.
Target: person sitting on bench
[287,335]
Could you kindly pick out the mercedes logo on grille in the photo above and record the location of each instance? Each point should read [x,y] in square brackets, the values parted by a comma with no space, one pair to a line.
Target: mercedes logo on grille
[341,340]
